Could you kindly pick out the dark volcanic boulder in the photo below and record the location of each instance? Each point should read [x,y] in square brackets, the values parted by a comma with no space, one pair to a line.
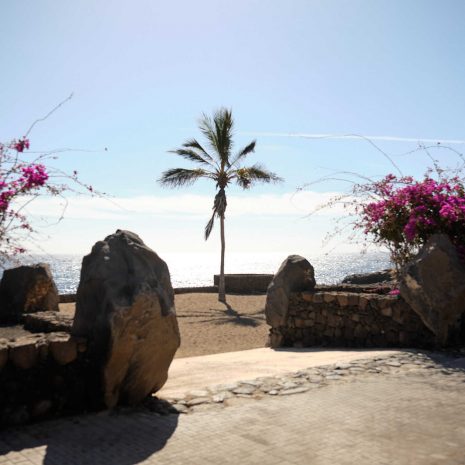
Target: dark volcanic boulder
[383,276]
[125,309]
[27,289]
[433,284]
[294,275]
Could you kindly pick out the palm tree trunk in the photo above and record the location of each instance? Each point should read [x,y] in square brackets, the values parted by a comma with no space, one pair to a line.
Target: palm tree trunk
[221,284]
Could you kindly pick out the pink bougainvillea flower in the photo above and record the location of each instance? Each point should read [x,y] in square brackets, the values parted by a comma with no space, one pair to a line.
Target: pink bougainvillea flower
[21,181]
[20,144]
[407,212]
[34,176]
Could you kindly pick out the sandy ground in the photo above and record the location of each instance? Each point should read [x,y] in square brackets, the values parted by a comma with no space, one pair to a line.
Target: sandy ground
[206,325]
[210,327]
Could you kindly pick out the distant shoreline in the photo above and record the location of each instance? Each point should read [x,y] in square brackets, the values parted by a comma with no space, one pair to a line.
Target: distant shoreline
[192,271]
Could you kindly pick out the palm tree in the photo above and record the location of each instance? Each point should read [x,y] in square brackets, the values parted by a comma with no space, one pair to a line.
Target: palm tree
[220,165]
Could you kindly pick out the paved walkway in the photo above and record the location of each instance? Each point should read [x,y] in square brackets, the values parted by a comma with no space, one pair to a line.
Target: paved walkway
[208,370]
[403,416]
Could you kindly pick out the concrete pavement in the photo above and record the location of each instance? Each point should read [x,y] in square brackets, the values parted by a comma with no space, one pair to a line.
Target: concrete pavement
[402,416]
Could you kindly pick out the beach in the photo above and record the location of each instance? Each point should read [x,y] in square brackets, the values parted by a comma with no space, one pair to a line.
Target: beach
[210,327]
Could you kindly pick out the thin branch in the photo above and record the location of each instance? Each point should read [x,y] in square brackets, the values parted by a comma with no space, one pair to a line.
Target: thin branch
[53,110]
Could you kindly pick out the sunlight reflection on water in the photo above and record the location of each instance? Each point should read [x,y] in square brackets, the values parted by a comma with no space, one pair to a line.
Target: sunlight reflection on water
[193,269]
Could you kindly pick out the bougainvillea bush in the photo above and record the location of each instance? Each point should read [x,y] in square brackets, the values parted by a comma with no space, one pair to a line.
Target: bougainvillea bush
[21,181]
[405,212]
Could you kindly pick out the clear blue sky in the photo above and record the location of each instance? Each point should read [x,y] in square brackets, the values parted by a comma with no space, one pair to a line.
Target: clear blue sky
[143,71]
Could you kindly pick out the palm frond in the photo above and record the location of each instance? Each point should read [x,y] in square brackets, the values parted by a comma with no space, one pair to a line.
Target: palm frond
[219,208]
[178,177]
[245,177]
[207,128]
[209,226]
[224,124]
[192,155]
[194,144]
[218,132]
[244,152]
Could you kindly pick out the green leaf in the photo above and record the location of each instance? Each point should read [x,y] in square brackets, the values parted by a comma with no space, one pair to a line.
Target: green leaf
[178,177]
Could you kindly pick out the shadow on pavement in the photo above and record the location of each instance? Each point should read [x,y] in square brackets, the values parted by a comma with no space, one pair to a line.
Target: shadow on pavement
[317,349]
[106,438]
[453,362]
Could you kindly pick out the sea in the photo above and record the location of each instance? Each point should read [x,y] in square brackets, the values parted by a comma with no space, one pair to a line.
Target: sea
[195,269]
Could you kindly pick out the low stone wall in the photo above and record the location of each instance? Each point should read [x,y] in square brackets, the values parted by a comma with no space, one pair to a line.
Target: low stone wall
[71,298]
[356,288]
[196,289]
[344,319]
[245,283]
[67,298]
[124,334]
[48,322]
[43,375]
[235,283]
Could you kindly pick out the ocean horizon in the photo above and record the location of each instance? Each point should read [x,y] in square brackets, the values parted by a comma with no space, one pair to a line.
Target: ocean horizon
[197,269]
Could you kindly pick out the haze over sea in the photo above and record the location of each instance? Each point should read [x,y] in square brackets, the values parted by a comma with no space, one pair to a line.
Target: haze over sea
[195,269]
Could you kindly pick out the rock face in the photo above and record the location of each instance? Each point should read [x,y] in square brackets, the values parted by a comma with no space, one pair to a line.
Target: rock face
[370,278]
[294,275]
[433,284]
[125,309]
[27,289]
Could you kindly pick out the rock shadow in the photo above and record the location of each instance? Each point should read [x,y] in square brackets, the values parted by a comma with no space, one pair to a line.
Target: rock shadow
[117,438]
[451,362]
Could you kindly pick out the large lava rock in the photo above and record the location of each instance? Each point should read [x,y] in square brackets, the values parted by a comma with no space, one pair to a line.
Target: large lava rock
[384,276]
[433,284]
[27,289]
[125,308]
[294,275]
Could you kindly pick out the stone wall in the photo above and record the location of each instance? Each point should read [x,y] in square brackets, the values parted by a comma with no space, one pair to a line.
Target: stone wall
[67,298]
[349,319]
[43,375]
[235,283]
[196,289]
[245,283]
[71,298]
[117,348]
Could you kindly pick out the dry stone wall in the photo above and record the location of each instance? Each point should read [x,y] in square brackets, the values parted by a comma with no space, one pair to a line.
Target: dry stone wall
[116,350]
[42,375]
[349,319]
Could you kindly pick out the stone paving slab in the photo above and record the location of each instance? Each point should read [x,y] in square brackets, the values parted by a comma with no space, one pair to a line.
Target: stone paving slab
[283,384]
[412,412]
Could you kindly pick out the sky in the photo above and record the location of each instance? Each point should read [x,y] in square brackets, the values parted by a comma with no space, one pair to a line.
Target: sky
[143,72]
